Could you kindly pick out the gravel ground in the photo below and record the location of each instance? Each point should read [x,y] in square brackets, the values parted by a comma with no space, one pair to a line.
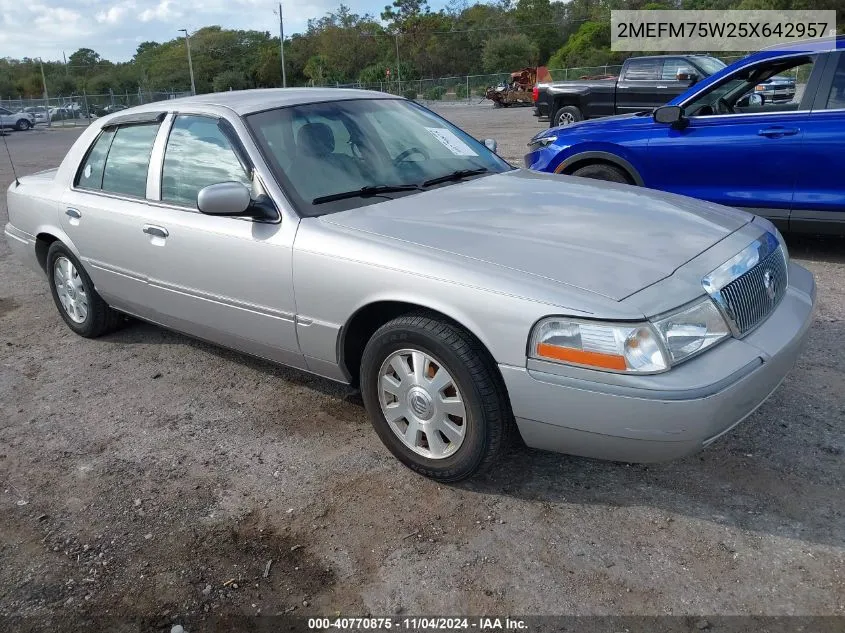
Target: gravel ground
[149,478]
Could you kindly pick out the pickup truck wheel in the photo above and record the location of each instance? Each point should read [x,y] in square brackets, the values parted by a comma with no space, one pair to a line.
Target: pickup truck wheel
[435,397]
[603,171]
[566,116]
[23,125]
[80,306]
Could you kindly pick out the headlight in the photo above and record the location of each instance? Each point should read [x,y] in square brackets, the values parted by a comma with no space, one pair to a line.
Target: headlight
[692,330]
[542,141]
[631,348]
[645,348]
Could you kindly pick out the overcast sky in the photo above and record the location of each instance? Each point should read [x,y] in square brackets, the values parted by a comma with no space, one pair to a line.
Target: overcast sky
[114,28]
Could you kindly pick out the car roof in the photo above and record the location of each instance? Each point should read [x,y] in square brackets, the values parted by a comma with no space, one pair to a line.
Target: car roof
[248,101]
[819,45]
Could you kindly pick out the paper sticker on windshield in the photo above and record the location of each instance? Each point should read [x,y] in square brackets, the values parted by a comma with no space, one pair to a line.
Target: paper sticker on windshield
[451,141]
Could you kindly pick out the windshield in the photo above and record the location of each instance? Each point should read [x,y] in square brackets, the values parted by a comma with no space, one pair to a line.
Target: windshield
[709,65]
[369,146]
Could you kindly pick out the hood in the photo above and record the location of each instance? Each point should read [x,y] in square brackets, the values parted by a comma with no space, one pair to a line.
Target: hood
[605,238]
[610,123]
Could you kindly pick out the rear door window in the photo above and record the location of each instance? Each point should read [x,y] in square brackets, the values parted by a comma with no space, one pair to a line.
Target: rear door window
[643,70]
[128,160]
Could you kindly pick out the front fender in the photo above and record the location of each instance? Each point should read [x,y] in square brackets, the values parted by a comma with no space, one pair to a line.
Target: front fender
[617,155]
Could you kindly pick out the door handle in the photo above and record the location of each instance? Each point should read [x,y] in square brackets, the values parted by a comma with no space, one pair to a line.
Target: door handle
[73,213]
[662,87]
[156,231]
[777,132]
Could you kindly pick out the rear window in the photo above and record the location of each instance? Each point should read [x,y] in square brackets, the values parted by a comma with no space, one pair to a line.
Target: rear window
[643,70]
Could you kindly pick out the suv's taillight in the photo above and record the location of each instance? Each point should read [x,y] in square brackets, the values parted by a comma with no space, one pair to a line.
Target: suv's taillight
[535,94]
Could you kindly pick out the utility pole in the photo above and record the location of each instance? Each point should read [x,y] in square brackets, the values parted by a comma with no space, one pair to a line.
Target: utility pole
[190,61]
[398,74]
[46,96]
[65,58]
[282,47]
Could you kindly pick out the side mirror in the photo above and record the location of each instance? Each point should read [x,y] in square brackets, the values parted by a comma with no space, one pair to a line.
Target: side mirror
[491,144]
[669,114]
[224,198]
[690,78]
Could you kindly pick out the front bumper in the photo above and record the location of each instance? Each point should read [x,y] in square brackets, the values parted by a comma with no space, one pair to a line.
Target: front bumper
[661,418]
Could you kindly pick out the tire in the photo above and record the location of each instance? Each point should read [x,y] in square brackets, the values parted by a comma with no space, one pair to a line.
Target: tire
[567,115]
[23,125]
[603,171]
[99,318]
[487,422]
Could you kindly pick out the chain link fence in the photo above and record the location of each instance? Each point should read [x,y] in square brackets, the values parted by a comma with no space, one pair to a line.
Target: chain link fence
[79,110]
[472,88]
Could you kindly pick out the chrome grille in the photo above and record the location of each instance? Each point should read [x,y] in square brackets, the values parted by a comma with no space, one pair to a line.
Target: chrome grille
[751,297]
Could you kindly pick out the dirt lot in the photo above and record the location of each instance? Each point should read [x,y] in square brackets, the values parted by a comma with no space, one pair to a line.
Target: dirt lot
[149,478]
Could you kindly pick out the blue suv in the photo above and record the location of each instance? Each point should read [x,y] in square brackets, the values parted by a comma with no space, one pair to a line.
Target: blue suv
[782,160]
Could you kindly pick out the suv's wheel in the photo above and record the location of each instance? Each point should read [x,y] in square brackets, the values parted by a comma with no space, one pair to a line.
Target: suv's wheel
[602,171]
[23,125]
[566,116]
[435,397]
[81,307]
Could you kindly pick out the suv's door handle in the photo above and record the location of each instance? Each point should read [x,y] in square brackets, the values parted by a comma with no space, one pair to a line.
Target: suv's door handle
[156,231]
[776,132]
[73,213]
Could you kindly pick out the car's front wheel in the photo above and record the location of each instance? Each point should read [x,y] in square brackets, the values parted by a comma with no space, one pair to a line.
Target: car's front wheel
[602,171]
[73,292]
[23,125]
[435,397]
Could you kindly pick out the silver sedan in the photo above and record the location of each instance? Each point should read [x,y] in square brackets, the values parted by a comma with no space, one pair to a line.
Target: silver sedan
[363,238]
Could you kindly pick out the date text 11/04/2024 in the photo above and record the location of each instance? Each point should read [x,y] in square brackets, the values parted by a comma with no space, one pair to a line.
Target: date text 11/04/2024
[418,624]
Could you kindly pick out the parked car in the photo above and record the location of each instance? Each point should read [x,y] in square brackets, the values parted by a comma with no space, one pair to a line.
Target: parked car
[777,89]
[40,114]
[643,84]
[361,237]
[64,112]
[780,160]
[16,120]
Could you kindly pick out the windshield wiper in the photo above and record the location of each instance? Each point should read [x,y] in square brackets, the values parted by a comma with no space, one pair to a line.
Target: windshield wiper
[369,190]
[455,175]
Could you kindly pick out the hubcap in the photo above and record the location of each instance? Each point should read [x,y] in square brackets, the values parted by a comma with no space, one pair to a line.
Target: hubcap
[422,404]
[70,290]
[565,118]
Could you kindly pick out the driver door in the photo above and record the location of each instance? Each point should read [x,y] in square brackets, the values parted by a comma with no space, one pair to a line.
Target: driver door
[746,158]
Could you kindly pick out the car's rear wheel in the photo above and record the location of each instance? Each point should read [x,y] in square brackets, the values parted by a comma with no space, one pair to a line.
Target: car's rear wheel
[23,125]
[435,397]
[602,171]
[82,309]
[566,115]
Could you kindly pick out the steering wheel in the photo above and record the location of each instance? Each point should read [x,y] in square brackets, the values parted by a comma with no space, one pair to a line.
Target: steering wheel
[723,107]
[405,154]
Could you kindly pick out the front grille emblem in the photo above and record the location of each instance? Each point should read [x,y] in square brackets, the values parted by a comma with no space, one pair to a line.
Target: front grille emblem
[769,284]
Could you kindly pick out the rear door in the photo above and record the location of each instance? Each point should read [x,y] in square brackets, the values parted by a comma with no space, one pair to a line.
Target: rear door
[819,194]
[103,213]
[636,89]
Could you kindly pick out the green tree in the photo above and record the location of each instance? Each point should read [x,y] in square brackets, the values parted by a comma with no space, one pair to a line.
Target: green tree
[230,80]
[590,46]
[509,52]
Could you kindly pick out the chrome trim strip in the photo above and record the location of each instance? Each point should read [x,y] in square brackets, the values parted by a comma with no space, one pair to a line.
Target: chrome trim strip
[114,269]
[722,117]
[157,158]
[226,301]
[740,263]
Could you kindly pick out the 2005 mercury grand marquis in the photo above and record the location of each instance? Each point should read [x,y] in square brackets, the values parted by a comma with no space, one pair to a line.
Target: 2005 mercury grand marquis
[361,237]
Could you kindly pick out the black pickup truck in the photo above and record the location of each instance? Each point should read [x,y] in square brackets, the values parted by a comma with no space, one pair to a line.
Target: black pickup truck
[643,84]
